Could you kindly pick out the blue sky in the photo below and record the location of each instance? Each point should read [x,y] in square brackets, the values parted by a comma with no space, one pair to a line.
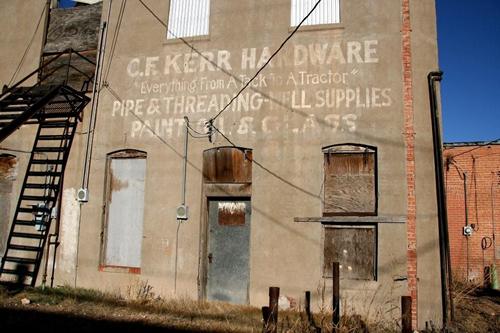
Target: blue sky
[469,56]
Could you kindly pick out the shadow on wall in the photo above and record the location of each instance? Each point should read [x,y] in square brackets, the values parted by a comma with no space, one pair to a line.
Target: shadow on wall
[15,318]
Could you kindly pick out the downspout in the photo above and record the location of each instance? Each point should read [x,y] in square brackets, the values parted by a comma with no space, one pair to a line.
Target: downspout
[444,242]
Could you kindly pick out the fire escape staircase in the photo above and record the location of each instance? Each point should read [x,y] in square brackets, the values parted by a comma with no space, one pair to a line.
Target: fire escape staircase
[56,108]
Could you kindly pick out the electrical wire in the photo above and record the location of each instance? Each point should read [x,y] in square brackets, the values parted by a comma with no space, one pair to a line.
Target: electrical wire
[267,62]
[18,68]
[272,173]
[220,68]
[116,34]
[479,146]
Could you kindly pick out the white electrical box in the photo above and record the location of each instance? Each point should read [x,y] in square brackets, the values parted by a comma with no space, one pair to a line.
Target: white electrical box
[82,195]
[182,212]
[468,230]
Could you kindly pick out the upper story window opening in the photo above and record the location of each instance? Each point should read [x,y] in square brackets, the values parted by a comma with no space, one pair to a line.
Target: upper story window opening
[350,180]
[188,18]
[327,12]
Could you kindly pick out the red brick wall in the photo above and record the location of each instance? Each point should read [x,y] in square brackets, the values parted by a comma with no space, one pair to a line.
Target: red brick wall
[482,169]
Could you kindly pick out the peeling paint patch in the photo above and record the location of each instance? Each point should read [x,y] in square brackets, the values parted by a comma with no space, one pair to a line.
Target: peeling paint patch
[8,173]
[232,213]
[70,212]
[8,167]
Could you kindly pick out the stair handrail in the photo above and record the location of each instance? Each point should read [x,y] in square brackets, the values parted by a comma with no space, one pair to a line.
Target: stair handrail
[38,71]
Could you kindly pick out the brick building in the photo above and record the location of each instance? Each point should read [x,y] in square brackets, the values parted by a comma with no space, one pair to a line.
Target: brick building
[472,171]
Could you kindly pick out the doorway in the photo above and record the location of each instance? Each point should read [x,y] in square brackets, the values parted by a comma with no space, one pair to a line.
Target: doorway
[228,264]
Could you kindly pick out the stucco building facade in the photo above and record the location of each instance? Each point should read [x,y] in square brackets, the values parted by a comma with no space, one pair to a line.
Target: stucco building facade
[325,156]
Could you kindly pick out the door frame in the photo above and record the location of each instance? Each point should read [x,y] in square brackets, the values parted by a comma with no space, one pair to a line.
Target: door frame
[214,192]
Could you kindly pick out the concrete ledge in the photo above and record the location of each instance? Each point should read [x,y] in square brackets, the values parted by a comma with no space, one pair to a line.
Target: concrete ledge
[351,219]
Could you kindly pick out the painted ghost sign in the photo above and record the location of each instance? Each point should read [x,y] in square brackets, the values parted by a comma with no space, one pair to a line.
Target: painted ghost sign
[306,89]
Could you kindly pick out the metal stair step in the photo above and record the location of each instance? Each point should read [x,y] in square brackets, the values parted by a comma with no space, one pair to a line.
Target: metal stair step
[9,116]
[20,260]
[53,137]
[56,114]
[25,223]
[30,210]
[49,149]
[16,272]
[10,108]
[56,124]
[24,248]
[41,186]
[27,235]
[37,198]
[46,161]
[44,174]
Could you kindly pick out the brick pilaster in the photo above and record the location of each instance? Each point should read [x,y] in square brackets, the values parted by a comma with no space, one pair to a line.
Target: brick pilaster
[409,137]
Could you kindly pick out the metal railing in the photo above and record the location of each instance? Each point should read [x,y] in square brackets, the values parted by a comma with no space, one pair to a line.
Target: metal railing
[43,77]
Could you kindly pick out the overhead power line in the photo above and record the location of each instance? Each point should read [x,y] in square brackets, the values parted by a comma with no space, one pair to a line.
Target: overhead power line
[479,146]
[223,70]
[268,61]
[28,47]
[116,33]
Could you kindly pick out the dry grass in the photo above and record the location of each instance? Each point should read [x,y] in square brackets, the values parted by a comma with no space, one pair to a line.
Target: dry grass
[176,314]
[476,309]
[140,305]
[140,309]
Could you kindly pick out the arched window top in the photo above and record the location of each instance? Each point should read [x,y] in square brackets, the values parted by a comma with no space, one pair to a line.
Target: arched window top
[350,183]
[127,153]
[349,148]
[227,164]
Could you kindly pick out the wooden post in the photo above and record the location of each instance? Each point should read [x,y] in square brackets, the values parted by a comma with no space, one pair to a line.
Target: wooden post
[406,314]
[336,295]
[274,294]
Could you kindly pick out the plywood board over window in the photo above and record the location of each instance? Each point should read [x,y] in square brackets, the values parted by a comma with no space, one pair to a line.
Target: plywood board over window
[354,248]
[350,186]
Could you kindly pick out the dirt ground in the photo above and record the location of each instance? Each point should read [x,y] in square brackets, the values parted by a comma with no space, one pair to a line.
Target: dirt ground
[477,311]
[80,310]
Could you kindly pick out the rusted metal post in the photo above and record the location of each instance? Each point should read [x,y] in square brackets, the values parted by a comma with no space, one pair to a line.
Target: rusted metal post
[274,294]
[265,318]
[307,305]
[336,295]
[406,314]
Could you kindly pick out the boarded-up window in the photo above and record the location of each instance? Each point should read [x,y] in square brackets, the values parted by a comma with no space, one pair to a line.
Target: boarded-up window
[227,165]
[327,12]
[350,180]
[188,18]
[354,248]
[126,171]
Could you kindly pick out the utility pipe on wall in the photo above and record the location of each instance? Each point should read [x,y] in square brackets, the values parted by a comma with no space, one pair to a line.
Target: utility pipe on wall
[444,242]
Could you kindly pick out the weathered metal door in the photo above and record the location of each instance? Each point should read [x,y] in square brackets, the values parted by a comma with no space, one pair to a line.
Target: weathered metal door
[228,251]
[125,212]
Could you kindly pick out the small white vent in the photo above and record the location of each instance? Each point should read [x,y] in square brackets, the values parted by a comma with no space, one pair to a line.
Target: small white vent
[327,12]
[188,18]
